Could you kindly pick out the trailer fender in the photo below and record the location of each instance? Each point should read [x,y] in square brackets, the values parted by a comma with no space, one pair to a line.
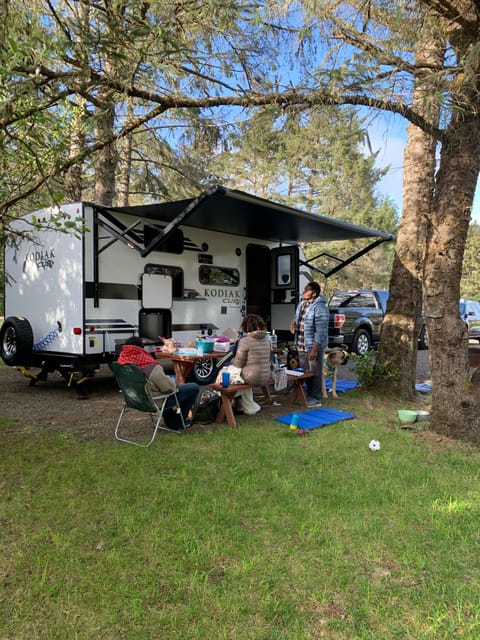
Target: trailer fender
[16,341]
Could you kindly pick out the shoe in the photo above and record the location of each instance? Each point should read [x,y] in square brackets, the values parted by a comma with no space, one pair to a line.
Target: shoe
[313,402]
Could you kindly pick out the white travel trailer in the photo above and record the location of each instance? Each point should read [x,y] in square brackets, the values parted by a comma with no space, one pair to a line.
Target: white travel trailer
[177,269]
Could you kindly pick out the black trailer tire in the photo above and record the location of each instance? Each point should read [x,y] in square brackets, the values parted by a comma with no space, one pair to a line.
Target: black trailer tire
[16,341]
[204,371]
[361,342]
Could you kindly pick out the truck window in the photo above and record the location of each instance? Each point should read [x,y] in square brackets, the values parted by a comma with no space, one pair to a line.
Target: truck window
[176,273]
[364,300]
[352,299]
[226,276]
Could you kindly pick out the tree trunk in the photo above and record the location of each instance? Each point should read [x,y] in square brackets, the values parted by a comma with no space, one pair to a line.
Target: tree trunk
[401,326]
[455,407]
[125,165]
[105,162]
[73,176]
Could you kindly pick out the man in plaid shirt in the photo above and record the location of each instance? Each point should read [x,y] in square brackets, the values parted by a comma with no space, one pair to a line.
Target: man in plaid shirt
[310,328]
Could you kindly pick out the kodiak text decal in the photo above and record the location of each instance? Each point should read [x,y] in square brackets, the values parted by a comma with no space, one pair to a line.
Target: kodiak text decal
[226,296]
[41,258]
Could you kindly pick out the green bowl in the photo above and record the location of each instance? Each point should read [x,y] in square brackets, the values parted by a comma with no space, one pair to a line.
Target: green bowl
[407,416]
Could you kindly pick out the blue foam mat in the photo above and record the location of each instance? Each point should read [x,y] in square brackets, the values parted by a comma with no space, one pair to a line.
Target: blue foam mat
[423,387]
[342,385]
[317,418]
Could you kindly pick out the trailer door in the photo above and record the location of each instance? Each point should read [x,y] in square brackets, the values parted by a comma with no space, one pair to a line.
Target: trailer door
[257,281]
[155,317]
[284,285]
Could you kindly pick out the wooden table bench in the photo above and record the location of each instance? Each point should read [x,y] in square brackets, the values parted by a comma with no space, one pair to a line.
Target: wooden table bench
[298,393]
[227,395]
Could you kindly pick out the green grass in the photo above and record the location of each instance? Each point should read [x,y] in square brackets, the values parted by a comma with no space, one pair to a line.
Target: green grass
[253,533]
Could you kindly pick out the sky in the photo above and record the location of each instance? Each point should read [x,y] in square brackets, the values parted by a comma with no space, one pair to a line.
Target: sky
[389,137]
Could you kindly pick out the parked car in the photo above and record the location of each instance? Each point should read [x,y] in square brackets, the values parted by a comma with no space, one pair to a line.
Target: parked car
[470,313]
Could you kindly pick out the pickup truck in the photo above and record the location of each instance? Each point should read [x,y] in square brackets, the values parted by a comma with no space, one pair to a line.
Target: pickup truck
[470,312]
[355,319]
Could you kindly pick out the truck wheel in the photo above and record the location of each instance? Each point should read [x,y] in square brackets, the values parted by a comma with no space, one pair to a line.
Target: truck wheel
[361,342]
[204,371]
[16,341]
[423,338]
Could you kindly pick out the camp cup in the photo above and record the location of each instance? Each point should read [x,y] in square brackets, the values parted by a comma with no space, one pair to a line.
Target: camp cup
[225,378]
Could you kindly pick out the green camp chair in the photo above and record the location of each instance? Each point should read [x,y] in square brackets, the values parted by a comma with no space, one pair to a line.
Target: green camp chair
[132,382]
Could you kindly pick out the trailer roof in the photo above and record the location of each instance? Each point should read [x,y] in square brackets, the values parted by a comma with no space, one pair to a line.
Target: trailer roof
[239,213]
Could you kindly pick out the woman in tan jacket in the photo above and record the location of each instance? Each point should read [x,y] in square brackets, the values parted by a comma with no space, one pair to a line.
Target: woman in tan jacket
[253,357]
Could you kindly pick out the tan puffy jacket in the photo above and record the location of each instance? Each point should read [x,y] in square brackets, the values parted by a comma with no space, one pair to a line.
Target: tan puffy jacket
[253,358]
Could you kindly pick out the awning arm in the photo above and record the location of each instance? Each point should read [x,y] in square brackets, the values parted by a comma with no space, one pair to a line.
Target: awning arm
[119,236]
[346,261]
[180,219]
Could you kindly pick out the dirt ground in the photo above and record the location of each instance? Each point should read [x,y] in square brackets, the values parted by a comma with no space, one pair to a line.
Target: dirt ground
[53,406]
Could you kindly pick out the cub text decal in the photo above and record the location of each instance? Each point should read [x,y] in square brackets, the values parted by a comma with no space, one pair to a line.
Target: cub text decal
[41,258]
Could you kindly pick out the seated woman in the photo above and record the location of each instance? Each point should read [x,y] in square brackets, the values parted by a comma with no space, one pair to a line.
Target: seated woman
[253,354]
[133,352]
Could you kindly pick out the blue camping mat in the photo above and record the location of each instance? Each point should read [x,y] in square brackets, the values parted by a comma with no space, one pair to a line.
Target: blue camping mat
[317,418]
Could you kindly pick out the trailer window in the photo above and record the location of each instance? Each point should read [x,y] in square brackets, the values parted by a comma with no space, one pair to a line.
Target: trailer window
[284,270]
[218,275]
[176,273]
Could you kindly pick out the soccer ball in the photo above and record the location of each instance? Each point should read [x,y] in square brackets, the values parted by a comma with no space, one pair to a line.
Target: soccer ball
[374,445]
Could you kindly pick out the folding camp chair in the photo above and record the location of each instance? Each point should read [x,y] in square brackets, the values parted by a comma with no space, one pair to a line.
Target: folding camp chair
[132,382]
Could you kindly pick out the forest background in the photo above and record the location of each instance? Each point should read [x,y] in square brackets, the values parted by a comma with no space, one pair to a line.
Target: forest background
[124,102]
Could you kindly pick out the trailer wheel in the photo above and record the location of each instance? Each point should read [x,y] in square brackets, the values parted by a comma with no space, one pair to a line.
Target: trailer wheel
[16,341]
[204,371]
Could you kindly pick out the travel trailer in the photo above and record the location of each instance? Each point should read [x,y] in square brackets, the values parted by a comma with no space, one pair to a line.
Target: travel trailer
[177,269]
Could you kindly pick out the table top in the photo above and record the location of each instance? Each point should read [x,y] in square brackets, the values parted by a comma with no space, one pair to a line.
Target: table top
[299,374]
[188,358]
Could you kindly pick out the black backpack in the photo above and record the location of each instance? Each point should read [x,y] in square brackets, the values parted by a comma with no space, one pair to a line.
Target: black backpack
[208,408]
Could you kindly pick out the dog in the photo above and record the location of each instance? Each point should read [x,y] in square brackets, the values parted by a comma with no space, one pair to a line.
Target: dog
[332,359]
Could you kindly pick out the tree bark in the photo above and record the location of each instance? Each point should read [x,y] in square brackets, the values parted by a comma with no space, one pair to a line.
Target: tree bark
[401,326]
[455,407]
[125,165]
[105,162]
[73,176]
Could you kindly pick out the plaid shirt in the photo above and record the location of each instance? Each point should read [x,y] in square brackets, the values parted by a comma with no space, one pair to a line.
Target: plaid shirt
[130,354]
[301,324]
[315,324]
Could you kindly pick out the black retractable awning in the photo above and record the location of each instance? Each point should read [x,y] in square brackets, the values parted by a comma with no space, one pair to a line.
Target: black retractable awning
[239,213]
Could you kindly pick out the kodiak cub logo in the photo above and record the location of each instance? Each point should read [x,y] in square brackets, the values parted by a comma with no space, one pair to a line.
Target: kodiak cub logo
[41,258]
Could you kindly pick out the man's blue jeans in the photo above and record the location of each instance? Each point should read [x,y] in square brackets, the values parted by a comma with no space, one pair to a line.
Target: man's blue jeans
[187,394]
[314,385]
